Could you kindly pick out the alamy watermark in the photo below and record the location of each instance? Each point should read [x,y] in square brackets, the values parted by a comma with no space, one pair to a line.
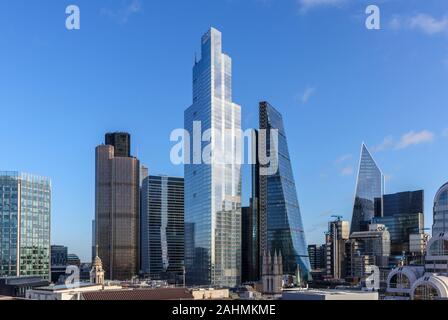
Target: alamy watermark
[373,280]
[373,21]
[226,147]
[73,21]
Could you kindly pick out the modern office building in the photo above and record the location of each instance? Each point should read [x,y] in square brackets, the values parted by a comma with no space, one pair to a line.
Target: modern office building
[366,248]
[93,239]
[121,142]
[436,260]
[18,286]
[400,227]
[402,214]
[73,260]
[162,228]
[408,202]
[59,255]
[144,172]
[418,243]
[338,233]
[279,222]
[213,183]
[318,257]
[369,186]
[251,220]
[441,211]
[25,213]
[246,240]
[117,208]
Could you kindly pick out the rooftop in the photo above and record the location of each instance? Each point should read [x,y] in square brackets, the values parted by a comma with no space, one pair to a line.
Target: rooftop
[139,294]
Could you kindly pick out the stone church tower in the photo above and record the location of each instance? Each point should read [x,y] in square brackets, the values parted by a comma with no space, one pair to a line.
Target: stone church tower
[272,273]
[97,272]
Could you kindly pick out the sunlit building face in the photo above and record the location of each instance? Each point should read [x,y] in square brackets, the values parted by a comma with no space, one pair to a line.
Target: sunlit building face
[213,190]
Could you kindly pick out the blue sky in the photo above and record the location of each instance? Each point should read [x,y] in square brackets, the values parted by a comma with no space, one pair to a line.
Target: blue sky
[130,68]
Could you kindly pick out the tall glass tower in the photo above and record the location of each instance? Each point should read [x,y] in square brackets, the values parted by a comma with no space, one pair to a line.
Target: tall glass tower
[369,187]
[213,187]
[25,208]
[280,219]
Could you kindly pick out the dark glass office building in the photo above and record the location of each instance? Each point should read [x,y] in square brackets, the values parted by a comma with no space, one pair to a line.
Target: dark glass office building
[369,186]
[279,222]
[400,227]
[403,214]
[121,142]
[59,255]
[403,202]
[250,262]
[317,254]
[162,228]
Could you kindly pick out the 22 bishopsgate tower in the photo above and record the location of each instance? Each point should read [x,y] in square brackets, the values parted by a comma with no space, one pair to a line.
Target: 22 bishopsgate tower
[213,188]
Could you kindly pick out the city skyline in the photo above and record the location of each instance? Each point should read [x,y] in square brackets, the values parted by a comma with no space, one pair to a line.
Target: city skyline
[406,139]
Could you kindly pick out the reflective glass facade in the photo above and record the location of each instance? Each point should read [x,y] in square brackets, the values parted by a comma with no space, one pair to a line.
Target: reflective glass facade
[369,186]
[403,202]
[441,211]
[400,227]
[281,227]
[213,190]
[117,213]
[121,141]
[25,208]
[162,227]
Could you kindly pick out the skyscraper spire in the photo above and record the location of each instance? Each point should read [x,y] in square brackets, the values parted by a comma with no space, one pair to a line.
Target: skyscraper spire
[369,186]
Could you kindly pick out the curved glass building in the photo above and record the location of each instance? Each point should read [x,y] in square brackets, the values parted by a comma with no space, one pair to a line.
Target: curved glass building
[441,211]
[369,188]
[281,227]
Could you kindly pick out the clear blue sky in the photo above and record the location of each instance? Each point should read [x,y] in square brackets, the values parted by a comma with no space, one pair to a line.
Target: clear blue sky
[130,68]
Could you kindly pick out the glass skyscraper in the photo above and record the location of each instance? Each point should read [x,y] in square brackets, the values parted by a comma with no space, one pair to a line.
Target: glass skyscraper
[213,189]
[440,224]
[117,209]
[402,214]
[369,187]
[280,220]
[25,208]
[162,228]
[403,202]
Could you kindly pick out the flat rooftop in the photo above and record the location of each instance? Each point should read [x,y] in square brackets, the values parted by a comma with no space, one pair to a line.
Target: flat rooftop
[329,294]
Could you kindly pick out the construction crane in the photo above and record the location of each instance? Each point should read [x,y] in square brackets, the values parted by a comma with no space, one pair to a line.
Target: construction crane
[339,218]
